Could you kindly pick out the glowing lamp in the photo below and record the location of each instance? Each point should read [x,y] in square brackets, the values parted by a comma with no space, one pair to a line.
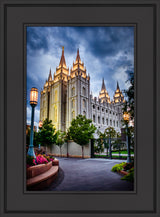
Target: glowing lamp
[33,96]
[126,116]
[33,103]
[40,123]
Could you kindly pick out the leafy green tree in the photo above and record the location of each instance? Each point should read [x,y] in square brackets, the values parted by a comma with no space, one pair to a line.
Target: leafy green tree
[60,140]
[81,130]
[117,143]
[46,134]
[110,132]
[99,147]
[129,93]
[35,139]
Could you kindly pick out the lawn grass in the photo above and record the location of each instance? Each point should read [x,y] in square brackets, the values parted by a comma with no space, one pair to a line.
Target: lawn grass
[113,157]
[122,152]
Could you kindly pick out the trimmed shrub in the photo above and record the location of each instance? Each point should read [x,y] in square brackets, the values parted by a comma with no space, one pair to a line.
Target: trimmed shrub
[118,167]
[130,176]
[128,166]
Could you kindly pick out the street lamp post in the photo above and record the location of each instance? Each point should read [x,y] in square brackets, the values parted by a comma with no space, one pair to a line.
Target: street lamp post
[110,148]
[33,103]
[126,119]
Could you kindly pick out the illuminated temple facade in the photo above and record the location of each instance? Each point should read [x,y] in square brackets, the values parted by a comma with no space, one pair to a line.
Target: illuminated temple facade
[67,94]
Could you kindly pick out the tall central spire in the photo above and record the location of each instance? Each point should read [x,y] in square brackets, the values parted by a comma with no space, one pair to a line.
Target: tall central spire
[117,85]
[61,69]
[78,59]
[62,61]
[103,85]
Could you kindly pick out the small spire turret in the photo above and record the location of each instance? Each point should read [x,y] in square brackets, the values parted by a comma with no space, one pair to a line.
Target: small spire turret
[62,61]
[50,75]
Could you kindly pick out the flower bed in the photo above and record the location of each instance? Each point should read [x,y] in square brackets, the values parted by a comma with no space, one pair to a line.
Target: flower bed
[40,159]
[38,169]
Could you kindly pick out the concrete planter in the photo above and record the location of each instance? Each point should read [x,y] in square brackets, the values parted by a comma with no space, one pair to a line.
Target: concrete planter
[55,162]
[123,172]
[38,169]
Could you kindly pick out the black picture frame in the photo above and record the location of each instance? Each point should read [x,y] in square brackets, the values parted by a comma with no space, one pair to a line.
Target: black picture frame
[145,200]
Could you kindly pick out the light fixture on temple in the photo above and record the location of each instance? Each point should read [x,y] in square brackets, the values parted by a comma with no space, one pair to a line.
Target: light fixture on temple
[33,96]
[40,123]
[126,116]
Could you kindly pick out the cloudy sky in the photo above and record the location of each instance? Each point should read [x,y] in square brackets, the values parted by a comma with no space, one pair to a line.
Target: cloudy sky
[107,52]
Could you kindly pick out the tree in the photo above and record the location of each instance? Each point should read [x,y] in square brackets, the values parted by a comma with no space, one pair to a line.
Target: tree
[100,141]
[110,133]
[60,140]
[46,134]
[81,130]
[129,104]
[35,139]
[117,143]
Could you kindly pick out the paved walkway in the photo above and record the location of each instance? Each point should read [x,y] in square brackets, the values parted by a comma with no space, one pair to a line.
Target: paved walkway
[88,175]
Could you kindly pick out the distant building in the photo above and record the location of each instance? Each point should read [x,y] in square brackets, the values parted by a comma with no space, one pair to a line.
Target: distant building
[29,127]
[66,95]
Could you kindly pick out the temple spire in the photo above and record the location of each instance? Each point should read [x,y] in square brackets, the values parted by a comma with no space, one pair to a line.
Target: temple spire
[103,85]
[78,56]
[62,61]
[50,75]
[117,85]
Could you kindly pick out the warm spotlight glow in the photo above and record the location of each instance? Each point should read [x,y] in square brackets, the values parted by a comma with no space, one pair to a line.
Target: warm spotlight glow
[40,123]
[126,116]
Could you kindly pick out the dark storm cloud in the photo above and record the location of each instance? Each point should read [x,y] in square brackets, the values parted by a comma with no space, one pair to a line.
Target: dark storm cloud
[36,40]
[102,41]
[106,51]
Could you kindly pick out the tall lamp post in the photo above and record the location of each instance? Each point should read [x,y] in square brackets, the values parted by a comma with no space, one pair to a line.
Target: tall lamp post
[33,103]
[126,119]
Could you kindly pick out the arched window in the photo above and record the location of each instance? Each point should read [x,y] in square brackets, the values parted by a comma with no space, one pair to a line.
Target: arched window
[93,106]
[98,119]
[111,122]
[107,121]
[73,114]
[84,103]
[114,123]
[94,119]
[73,91]
[102,120]
[55,96]
[55,113]
[117,123]
[73,103]
[84,91]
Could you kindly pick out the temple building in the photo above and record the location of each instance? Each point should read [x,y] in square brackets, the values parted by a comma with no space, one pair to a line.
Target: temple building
[66,94]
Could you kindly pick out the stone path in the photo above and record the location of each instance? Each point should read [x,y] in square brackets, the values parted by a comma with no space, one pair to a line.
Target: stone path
[88,175]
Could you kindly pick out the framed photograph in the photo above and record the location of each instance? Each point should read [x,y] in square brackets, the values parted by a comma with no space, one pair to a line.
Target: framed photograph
[74,114]
[79,108]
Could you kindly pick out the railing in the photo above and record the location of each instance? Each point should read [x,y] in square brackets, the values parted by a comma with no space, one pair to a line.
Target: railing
[110,148]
